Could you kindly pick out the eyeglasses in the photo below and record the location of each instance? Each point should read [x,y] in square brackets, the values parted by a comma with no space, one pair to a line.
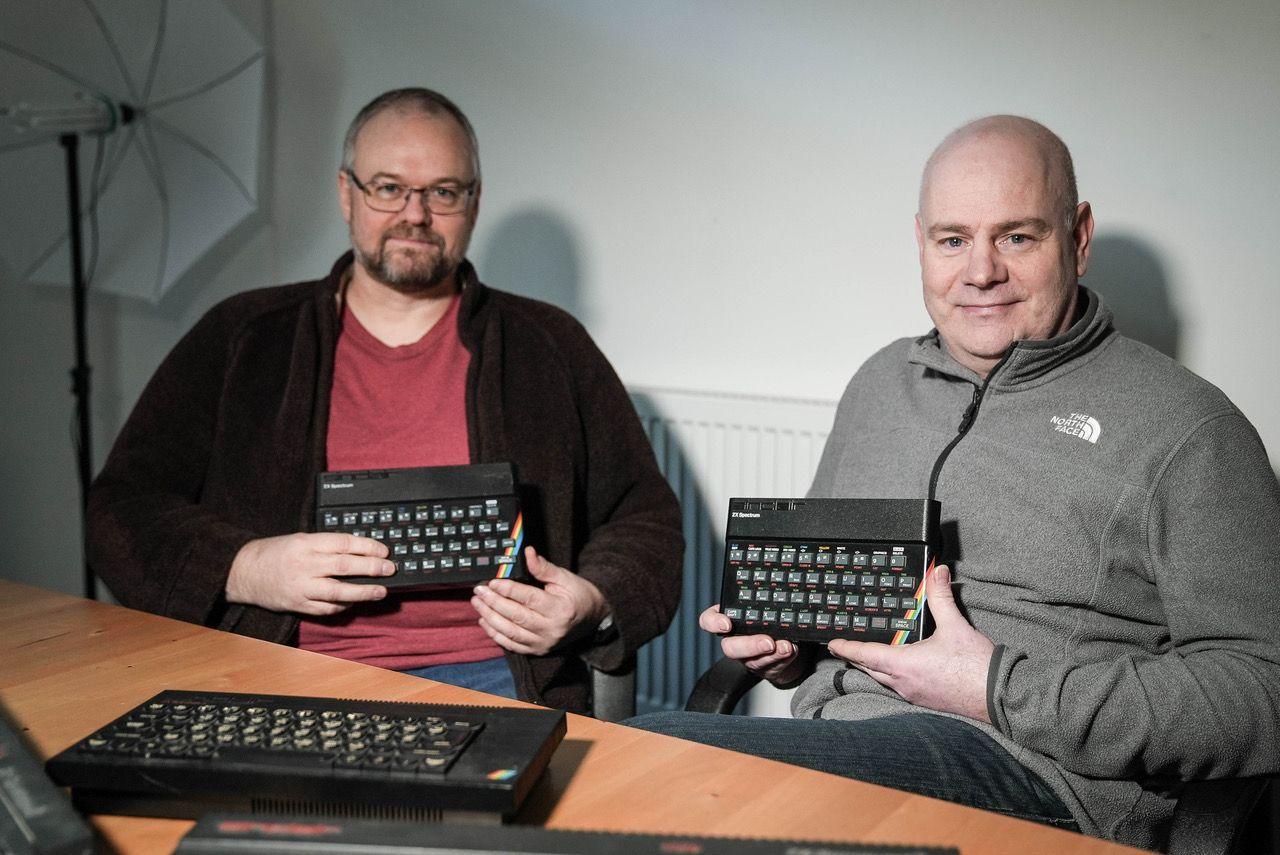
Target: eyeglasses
[392,198]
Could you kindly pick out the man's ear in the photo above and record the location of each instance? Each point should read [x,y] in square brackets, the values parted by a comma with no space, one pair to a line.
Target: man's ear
[920,237]
[344,195]
[1083,237]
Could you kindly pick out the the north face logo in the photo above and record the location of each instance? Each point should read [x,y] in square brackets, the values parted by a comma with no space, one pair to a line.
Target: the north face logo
[1078,424]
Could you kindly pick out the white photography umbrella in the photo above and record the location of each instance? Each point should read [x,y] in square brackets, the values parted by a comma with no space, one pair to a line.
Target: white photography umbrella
[172,91]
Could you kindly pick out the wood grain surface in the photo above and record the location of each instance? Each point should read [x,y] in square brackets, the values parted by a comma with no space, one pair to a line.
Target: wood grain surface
[68,666]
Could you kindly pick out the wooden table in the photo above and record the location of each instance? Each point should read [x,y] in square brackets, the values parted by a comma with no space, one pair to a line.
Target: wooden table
[68,666]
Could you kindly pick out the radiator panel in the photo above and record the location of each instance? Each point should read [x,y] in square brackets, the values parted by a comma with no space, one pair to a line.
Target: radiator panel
[711,446]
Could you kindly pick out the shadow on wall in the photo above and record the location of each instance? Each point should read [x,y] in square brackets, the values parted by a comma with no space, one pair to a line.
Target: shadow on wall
[533,252]
[1131,279]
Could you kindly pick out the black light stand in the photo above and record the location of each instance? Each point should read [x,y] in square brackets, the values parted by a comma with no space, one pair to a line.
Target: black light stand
[80,373]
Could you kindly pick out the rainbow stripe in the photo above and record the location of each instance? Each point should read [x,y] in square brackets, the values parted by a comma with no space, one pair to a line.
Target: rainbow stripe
[501,774]
[517,535]
[900,637]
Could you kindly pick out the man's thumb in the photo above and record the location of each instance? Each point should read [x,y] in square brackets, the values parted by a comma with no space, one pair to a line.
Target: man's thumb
[539,567]
[942,603]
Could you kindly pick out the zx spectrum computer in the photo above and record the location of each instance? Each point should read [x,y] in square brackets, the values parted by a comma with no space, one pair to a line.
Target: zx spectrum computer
[280,773]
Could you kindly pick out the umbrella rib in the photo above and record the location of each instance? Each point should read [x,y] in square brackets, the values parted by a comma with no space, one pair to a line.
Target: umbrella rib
[108,161]
[150,157]
[205,87]
[153,172]
[46,64]
[44,256]
[66,232]
[116,158]
[24,144]
[113,47]
[213,158]
[161,26]
[150,154]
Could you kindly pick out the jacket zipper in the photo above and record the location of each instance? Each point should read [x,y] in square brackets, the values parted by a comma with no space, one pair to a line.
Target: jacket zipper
[966,422]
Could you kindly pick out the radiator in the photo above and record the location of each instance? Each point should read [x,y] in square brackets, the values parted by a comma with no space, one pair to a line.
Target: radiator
[712,446]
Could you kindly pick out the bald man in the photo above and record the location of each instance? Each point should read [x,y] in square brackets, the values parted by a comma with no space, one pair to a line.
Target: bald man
[1107,627]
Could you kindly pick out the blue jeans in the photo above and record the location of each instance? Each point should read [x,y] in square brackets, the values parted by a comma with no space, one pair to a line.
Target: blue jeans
[487,675]
[927,754]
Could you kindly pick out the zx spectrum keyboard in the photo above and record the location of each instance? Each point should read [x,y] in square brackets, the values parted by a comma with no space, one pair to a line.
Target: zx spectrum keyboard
[442,525]
[181,754]
[240,834]
[818,569]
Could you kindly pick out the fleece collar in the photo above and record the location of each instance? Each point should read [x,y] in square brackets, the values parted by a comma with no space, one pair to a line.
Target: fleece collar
[1026,363]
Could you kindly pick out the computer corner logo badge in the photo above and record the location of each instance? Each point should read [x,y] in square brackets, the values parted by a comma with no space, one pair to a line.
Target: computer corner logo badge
[502,774]
[1078,424]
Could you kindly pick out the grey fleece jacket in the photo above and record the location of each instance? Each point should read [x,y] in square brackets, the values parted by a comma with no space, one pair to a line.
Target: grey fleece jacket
[1113,525]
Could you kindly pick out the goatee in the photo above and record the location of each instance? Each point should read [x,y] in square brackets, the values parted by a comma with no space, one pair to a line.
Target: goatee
[407,271]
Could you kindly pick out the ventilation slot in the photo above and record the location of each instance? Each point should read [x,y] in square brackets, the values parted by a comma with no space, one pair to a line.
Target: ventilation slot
[343,810]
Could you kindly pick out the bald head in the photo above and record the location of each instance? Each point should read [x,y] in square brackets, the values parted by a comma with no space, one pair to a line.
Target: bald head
[408,103]
[1021,136]
[1002,239]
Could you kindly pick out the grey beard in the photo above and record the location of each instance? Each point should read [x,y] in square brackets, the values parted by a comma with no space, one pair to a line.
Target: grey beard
[407,278]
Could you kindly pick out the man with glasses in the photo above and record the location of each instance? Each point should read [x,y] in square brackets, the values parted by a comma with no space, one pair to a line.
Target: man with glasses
[399,357]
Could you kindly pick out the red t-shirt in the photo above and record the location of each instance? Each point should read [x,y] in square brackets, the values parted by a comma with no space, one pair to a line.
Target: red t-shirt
[393,407]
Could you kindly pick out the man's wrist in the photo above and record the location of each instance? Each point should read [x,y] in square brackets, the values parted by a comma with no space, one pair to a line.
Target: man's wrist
[231,588]
[599,609]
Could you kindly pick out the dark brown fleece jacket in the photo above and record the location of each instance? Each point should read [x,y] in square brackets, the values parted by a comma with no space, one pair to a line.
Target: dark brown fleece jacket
[225,442]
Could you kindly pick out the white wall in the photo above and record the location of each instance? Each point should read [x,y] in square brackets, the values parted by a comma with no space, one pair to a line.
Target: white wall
[723,191]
